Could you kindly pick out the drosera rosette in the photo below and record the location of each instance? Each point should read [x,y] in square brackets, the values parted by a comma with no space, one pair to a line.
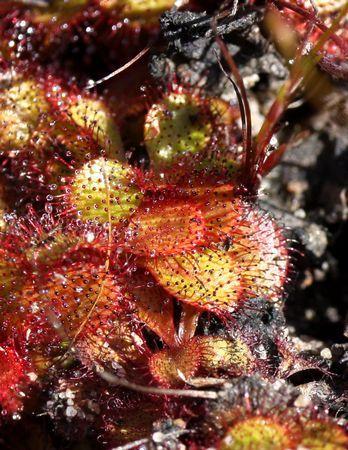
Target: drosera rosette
[70,307]
[50,128]
[254,414]
[118,280]
[250,245]
[223,236]
[75,311]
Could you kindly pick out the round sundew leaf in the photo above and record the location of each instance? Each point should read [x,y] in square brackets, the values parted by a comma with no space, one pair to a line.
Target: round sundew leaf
[172,366]
[94,115]
[104,191]
[21,106]
[323,435]
[188,134]
[165,227]
[174,128]
[80,306]
[251,261]
[256,238]
[218,353]
[70,295]
[209,279]
[256,433]
[267,258]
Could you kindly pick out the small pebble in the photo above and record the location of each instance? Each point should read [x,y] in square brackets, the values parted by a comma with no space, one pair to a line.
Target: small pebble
[70,411]
[326,353]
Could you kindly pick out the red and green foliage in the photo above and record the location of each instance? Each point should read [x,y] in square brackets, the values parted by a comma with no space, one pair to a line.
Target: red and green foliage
[140,274]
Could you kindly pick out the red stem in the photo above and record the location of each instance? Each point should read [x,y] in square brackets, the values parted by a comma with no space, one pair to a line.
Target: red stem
[310,16]
[245,113]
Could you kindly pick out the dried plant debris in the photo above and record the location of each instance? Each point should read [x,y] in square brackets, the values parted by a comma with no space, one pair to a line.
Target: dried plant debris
[192,47]
[173,235]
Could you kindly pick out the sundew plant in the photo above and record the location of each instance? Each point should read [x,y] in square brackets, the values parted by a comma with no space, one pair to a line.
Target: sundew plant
[144,279]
